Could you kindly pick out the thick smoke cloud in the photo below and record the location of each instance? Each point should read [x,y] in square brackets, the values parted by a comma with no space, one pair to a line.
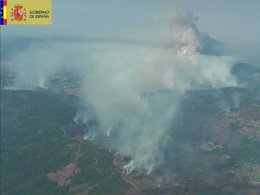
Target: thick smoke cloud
[126,84]
[134,89]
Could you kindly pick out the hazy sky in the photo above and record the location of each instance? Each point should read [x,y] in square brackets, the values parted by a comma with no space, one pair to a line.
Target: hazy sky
[234,22]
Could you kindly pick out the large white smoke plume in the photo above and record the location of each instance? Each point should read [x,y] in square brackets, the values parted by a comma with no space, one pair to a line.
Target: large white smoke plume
[135,89]
[125,86]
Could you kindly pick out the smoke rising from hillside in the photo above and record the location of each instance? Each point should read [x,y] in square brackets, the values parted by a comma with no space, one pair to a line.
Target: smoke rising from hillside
[126,84]
[134,89]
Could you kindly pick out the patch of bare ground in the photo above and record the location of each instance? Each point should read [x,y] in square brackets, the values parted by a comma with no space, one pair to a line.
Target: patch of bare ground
[63,176]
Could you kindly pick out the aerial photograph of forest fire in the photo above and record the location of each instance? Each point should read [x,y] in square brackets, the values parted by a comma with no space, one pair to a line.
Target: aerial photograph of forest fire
[130,97]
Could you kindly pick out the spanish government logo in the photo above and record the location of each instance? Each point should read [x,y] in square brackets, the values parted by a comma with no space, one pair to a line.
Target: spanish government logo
[26,12]
[18,13]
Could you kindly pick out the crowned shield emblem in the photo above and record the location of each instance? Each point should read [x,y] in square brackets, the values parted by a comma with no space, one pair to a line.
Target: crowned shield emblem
[18,13]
